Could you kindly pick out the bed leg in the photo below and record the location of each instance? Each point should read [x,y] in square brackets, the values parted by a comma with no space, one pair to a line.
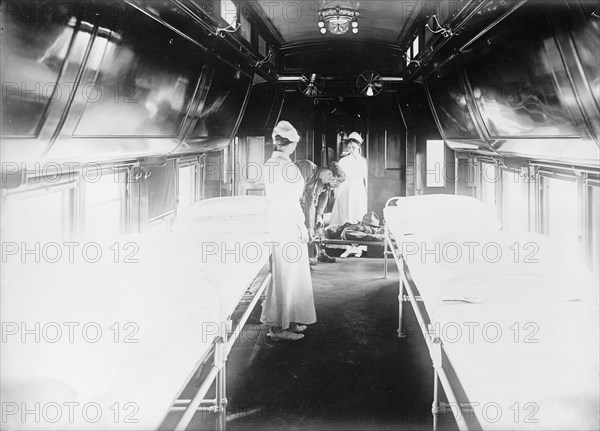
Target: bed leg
[385,259]
[221,380]
[221,398]
[435,406]
[401,333]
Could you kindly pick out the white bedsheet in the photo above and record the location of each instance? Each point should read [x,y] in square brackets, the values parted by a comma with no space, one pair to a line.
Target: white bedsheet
[157,316]
[524,366]
[439,213]
[227,255]
[519,323]
[495,267]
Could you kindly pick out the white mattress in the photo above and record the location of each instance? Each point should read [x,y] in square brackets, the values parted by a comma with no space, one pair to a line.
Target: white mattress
[439,214]
[520,328]
[525,366]
[495,267]
[229,257]
[169,305]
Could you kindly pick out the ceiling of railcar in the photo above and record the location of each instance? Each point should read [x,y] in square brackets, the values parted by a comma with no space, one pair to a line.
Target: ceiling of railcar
[380,21]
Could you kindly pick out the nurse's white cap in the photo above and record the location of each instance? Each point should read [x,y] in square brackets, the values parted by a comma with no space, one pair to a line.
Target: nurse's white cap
[356,137]
[285,130]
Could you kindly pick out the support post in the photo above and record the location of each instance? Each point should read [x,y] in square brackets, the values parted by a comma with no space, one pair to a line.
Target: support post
[221,399]
[435,406]
[385,252]
[401,333]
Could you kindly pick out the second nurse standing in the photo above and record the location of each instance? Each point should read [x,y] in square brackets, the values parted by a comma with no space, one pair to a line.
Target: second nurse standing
[289,304]
[351,198]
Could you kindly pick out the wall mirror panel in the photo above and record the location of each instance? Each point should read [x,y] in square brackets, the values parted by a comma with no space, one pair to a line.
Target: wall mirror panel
[36,39]
[450,101]
[219,114]
[141,82]
[514,84]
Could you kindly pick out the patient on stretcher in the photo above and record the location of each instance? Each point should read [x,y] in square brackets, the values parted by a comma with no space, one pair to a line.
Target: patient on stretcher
[367,230]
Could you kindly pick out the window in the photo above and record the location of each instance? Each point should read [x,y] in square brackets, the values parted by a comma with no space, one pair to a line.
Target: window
[435,162]
[559,197]
[593,228]
[245,28]
[103,205]
[226,160]
[38,215]
[228,167]
[229,12]
[161,191]
[415,47]
[161,197]
[489,177]
[262,46]
[187,186]
[514,203]
[252,157]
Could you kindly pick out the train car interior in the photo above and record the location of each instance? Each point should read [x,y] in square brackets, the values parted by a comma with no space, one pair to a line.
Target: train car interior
[137,214]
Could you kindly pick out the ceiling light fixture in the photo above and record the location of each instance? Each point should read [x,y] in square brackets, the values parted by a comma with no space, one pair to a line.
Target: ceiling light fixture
[337,19]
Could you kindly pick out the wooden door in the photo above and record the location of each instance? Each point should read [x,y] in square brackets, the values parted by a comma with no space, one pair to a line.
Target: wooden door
[385,152]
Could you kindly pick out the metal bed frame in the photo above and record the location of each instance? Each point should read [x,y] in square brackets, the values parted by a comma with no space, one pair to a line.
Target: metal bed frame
[215,358]
[442,368]
[323,242]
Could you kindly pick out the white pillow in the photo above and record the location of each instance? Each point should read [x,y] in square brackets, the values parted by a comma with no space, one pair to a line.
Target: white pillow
[215,226]
[450,224]
[231,206]
[442,213]
[240,210]
[442,205]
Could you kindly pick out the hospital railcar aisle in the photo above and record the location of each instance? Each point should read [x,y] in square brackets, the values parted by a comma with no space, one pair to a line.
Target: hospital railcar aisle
[350,372]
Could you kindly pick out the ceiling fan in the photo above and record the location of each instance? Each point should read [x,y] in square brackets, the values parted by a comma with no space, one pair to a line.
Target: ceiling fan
[311,84]
[369,83]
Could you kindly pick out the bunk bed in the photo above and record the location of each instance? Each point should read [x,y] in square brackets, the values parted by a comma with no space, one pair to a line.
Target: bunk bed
[511,323]
[117,339]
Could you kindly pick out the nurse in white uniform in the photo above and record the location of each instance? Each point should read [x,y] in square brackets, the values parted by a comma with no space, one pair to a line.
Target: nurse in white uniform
[289,304]
[351,199]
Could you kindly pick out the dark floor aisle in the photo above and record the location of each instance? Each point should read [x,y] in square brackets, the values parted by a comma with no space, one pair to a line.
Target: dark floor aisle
[351,371]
